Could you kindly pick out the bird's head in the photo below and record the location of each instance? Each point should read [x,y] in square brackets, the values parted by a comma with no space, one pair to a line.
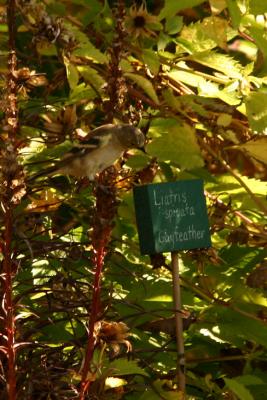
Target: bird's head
[130,137]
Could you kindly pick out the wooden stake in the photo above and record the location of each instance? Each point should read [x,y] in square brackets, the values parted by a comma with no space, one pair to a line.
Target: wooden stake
[178,321]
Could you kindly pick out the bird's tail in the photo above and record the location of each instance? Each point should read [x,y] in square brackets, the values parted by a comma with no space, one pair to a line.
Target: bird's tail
[45,172]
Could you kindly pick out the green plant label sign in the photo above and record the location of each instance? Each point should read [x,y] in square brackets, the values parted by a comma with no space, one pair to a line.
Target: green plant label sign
[171,216]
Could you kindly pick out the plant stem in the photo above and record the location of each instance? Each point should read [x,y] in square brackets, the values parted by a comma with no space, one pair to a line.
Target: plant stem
[8,306]
[178,322]
[85,382]
[9,173]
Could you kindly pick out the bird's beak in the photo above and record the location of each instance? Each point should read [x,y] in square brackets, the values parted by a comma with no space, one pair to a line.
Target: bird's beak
[143,149]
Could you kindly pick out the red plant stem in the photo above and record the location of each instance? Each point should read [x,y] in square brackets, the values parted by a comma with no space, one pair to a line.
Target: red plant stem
[12,123]
[85,382]
[8,306]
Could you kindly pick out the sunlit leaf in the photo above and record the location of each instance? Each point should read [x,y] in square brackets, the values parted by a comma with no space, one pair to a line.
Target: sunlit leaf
[175,142]
[151,58]
[171,7]
[257,111]
[112,382]
[174,24]
[123,367]
[187,77]
[235,12]
[92,76]
[217,6]
[256,148]
[220,62]
[240,390]
[257,7]
[216,29]
[145,85]
[86,49]
[72,73]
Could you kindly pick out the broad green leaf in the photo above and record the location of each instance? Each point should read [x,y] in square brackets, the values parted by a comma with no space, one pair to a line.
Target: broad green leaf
[229,185]
[260,36]
[249,380]
[228,94]
[217,6]
[82,92]
[55,332]
[112,382]
[174,24]
[144,84]
[72,73]
[189,78]
[220,62]
[235,12]
[160,392]
[257,111]
[257,7]
[171,7]
[123,367]
[86,49]
[239,390]
[237,328]
[216,28]
[224,119]
[151,59]
[195,38]
[256,148]
[175,142]
[92,76]
[206,34]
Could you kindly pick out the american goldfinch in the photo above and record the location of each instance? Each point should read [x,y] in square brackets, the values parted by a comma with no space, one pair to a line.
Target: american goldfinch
[107,143]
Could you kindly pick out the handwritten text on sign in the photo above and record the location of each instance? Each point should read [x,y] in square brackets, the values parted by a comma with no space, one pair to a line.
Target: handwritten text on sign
[171,216]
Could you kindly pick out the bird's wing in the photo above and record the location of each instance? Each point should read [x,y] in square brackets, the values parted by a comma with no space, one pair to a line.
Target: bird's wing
[98,138]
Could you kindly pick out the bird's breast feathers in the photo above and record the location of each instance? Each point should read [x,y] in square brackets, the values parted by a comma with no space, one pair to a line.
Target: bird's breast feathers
[93,162]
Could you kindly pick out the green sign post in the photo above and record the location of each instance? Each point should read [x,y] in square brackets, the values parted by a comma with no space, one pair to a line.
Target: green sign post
[170,217]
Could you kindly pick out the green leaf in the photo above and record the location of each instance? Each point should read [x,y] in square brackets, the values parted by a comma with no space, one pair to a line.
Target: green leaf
[256,148]
[171,7]
[229,187]
[235,12]
[257,7]
[240,390]
[151,59]
[174,24]
[144,84]
[217,6]
[92,76]
[249,380]
[189,78]
[158,392]
[192,39]
[257,111]
[220,62]
[72,73]
[216,28]
[123,367]
[259,35]
[86,49]
[224,120]
[81,92]
[175,142]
